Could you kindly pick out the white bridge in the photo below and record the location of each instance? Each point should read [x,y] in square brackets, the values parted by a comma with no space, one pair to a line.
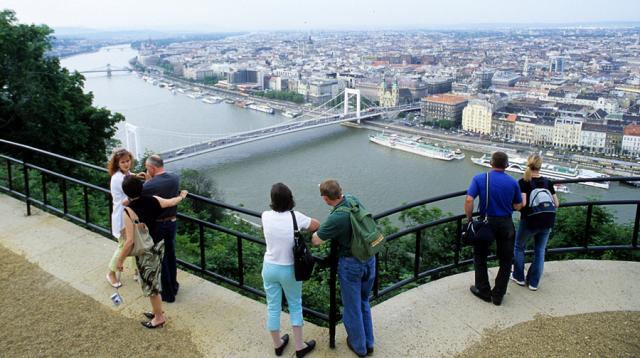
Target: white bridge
[322,118]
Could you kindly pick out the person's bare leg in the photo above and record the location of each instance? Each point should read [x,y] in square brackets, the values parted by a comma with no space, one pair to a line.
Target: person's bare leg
[297,336]
[156,304]
[277,341]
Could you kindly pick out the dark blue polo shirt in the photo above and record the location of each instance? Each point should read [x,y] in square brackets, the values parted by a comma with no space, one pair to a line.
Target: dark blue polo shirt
[504,191]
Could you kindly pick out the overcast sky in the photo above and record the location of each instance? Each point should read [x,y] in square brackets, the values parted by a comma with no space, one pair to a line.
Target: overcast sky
[266,15]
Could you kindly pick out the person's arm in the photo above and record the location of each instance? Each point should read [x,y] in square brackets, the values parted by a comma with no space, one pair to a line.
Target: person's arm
[517,206]
[524,200]
[167,203]
[556,201]
[468,207]
[316,240]
[518,199]
[314,225]
[128,244]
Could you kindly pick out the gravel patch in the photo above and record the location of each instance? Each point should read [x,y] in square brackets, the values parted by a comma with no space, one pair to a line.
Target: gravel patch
[44,316]
[601,334]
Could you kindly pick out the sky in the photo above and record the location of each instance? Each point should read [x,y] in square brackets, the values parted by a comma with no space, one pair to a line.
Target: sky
[270,15]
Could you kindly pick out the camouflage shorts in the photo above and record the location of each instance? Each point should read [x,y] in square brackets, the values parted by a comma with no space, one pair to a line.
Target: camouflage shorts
[149,268]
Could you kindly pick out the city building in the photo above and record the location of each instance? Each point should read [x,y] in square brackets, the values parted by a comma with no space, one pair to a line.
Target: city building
[615,135]
[503,125]
[631,139]
[388,98]
[444,106]
[543,132]
[439,85]
[523,130]
[593,137]
[476,117]
[566,133]
[505,78]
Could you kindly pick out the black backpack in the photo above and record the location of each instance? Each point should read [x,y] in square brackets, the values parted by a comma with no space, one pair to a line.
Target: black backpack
[542,211]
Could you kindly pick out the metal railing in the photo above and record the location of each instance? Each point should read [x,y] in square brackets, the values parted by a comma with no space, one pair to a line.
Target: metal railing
[332,317]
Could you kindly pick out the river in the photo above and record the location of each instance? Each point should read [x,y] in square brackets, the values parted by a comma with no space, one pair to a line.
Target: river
[381,177]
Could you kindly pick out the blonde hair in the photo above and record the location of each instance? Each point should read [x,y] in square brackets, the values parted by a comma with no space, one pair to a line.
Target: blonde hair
[113,164]
[534,162]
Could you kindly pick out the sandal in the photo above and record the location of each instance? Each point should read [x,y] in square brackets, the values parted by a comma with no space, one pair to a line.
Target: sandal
[114,285]
[150,325]
[149,315]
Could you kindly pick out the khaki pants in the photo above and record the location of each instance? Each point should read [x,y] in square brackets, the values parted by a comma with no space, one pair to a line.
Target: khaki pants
[129,263]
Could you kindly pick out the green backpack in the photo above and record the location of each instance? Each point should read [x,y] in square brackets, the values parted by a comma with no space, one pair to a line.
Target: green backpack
[366,240]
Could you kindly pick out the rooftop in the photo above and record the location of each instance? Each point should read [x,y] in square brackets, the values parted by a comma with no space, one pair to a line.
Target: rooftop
[446,98]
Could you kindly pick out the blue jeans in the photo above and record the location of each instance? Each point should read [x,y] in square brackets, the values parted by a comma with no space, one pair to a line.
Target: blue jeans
[356,281]
[540,236]
[275,279]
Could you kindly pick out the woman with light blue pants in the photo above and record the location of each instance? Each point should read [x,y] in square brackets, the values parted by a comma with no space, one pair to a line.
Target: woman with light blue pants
[277,269]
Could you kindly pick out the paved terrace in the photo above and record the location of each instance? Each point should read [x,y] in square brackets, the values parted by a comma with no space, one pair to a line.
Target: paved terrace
[435,319]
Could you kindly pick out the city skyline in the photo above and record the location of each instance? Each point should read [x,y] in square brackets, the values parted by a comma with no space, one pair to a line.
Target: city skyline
[199,15]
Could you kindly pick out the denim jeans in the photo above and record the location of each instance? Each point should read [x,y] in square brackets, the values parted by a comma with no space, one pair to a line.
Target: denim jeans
[504,232]
[540,237]
[275,279]
[356,281]
[167,231]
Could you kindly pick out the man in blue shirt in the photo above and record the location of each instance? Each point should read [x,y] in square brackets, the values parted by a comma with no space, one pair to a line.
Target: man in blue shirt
[504,198]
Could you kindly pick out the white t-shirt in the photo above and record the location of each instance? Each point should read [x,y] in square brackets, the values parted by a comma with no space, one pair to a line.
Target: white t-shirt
[117,224]
[278,233]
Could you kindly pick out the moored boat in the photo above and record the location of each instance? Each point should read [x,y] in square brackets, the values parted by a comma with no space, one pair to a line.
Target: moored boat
[552,171]
[416,147]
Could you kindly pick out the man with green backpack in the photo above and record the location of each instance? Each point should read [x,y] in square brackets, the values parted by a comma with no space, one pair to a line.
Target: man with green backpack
[357,240]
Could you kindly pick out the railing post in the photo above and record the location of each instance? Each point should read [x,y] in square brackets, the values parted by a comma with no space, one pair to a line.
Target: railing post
[376,280]
[65,204]
[636,227]
[201,233]
[587,228]
[9,176]
[85,196]
[333,305]
[240,263]
[418,254]
[456,254]
[26,187]
[43,176]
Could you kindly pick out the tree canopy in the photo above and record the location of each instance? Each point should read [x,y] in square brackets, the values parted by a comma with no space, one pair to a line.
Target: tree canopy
[41,103]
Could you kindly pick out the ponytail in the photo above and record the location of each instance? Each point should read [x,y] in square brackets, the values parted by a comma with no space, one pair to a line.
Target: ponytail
[534,162]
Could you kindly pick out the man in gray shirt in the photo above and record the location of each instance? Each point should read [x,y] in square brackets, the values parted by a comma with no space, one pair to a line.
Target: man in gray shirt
[165,185]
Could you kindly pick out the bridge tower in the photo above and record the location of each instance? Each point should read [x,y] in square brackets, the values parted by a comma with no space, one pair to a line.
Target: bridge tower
[350,92]
[108,70]
[132,140]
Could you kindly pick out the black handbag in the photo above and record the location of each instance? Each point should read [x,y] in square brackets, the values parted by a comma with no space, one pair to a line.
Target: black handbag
[478,230]
[303,261]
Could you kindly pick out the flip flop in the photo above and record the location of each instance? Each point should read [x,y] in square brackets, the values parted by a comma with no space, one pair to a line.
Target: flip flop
[114,285]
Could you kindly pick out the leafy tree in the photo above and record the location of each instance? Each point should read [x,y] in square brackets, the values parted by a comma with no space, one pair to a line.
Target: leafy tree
[43,104]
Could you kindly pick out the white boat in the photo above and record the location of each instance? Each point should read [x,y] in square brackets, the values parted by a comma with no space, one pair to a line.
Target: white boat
[415,147]
[211,100]
[194,95]
[228,100]
[561,188]
[261,108]
[290,114]
[553,171]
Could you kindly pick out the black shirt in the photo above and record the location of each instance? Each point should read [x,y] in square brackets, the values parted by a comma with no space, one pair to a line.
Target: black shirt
[527,188]
[148,210]
[165,185]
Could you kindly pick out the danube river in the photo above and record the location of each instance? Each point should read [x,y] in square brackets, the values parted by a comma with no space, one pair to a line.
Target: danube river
[381,177]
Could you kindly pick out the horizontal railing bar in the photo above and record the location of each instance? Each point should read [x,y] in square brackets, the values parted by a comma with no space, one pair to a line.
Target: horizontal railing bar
[419,203]
[67,178]
[54,155]
[225,205]
[222,229]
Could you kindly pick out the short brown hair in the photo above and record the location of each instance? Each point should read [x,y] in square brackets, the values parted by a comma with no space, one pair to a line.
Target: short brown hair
[500,160]
[331,189]
[114,162]
[281,198]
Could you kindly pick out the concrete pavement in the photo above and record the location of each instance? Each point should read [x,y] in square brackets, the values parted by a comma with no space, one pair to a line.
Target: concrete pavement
[435,319]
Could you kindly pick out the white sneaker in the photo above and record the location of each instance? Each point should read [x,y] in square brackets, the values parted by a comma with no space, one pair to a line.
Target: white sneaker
[533,288]
[520,283]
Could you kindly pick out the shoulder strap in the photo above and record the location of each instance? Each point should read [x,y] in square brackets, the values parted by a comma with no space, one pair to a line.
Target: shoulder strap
[295,222]
[486,212]
[133,218]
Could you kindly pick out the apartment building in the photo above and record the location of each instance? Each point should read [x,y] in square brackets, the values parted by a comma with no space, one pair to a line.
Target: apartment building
[566,132]
[476,117]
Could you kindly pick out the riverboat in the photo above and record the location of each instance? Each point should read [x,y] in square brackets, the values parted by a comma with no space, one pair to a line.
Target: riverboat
[416,147]
[552,171]
[261,108]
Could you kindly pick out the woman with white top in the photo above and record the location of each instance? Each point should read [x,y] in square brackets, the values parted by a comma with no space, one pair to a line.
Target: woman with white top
[277,269]
[119,166]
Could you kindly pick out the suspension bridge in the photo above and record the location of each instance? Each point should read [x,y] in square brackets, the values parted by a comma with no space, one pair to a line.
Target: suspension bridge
[316,118]
[108,70]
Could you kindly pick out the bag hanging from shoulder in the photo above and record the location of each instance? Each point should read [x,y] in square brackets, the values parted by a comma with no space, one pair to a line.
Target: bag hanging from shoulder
[478,230]
[542,210]
[142,241]
[303,261]
[366,239]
